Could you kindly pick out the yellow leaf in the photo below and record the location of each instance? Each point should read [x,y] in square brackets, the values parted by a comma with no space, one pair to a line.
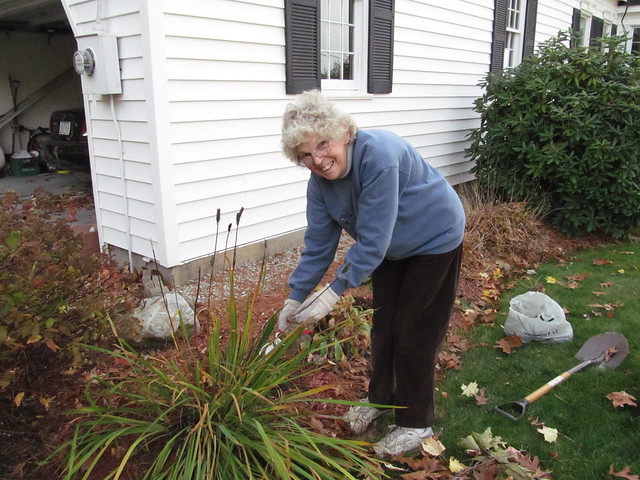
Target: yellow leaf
[550,434]
[470,390]
[551,280]
[455,466]
[621,271]
[433,447]
[34,339]
[46,402]
[17,400]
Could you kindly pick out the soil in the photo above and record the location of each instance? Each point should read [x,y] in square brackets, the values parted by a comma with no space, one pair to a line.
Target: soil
[501,245]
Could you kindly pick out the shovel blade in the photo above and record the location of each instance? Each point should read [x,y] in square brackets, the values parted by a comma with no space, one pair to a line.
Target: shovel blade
[611,346]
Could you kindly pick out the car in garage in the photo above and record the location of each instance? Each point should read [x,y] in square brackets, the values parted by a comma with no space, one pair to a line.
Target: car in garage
[66,140]
[69,135]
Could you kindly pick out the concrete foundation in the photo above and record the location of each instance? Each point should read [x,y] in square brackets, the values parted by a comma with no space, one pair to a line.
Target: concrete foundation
[181,274]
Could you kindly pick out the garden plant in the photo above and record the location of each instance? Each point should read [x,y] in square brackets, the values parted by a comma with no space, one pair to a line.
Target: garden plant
[562,130]
[227,407]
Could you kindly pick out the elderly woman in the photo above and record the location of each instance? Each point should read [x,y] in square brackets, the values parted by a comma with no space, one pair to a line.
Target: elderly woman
[408,225]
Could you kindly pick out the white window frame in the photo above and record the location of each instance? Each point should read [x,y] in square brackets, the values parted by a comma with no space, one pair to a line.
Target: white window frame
[514,41]
[631,42]
[360,43]
[585,30]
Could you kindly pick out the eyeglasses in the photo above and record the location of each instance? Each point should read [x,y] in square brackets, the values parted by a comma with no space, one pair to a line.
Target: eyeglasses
[321,151]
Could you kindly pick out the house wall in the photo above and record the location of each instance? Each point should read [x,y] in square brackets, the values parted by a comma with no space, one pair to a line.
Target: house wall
[197,126]
[225,118]
[556,15]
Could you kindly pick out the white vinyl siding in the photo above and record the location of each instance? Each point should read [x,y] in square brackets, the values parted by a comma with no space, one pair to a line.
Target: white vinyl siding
[201,104]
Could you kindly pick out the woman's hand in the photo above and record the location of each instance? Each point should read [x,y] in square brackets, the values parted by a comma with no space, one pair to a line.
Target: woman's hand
[287,314]
[316,306]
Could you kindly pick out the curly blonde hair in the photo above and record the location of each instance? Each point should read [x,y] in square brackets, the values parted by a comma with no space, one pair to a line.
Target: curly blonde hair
[311,114]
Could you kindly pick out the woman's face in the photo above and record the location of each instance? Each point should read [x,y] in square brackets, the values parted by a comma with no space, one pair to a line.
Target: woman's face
[323,156]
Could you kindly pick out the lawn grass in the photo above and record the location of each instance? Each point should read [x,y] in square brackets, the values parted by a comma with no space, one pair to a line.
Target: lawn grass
[593,435]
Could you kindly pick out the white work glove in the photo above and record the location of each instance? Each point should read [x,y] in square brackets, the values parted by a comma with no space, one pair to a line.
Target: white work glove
[287,314]
[314,308]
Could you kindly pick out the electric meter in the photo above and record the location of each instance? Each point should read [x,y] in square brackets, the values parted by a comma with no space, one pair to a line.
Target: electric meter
[84,61]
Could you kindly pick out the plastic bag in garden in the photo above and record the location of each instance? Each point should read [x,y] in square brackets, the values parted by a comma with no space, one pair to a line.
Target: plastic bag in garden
[534,316]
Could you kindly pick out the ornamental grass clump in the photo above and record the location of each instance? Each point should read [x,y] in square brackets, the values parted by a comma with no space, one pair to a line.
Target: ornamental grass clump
[562,130]
[226,408]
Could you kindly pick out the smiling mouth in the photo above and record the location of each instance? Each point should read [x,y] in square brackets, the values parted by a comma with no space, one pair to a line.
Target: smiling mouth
[327,167]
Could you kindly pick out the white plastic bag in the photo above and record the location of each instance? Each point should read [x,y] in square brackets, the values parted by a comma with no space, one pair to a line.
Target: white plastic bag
[534,316]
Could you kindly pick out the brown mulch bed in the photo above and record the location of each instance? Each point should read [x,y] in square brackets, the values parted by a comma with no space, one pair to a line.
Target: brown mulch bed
[503,239]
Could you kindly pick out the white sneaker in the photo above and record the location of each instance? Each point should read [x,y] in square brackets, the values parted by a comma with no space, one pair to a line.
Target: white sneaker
[401,440]
[360,417]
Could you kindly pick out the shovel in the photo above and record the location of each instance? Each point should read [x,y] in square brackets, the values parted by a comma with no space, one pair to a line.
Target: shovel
[607,349]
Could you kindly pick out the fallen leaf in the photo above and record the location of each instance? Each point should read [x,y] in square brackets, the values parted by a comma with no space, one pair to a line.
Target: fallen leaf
[624,473]
[628,253]
[551,280]
[71,217]
[470,390]
[606,284]
[601,262]
[45,402]
[598,294]
[432,447]
[620,399]
[455,466]
[481,397]
[17,400]
[51,345]
[578,277]
[449,360]
[550,434]
[509,343]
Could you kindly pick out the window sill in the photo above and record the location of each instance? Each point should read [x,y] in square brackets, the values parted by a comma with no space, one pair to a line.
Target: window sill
[347,94]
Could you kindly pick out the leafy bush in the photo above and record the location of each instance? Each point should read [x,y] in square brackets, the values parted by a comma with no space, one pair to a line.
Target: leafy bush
[563,128]
[52,295]
[352,339]
[226,409]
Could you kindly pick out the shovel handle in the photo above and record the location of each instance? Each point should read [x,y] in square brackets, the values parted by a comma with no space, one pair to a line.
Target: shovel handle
[547,387]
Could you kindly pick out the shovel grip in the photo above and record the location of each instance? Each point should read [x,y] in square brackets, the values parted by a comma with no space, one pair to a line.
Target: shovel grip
[547,387]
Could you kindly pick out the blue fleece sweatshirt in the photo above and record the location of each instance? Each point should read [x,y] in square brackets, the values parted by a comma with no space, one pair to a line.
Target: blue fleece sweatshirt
[392,202]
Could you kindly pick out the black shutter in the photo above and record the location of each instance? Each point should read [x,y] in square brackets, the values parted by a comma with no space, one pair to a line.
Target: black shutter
[499,35]
[614,30]
[576,34]
[530,28]
[597,27]
[380,62]
[302,45]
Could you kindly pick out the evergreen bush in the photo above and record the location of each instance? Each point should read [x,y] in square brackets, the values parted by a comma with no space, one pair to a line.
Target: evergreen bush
[563,129]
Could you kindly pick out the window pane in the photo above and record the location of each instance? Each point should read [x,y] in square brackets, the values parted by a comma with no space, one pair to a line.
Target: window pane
[336,38]
[514,14]
[336,66]
[635,43]
[324,65]
[347,72]
[335,10]
[337,46]
[324,10]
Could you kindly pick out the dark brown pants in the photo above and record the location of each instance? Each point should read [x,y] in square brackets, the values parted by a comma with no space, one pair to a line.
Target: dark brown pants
[413,300]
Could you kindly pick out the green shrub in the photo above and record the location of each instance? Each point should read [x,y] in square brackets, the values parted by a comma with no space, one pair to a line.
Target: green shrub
[563,129]
[353,339]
